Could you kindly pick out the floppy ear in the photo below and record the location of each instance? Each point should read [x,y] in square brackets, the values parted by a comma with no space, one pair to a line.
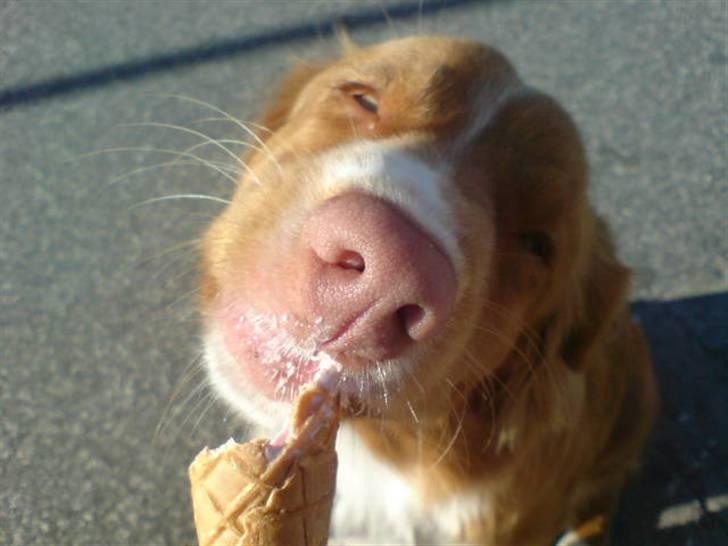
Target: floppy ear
[601,297]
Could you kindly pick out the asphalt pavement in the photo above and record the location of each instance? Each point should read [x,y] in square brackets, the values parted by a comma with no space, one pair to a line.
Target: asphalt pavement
[102,398]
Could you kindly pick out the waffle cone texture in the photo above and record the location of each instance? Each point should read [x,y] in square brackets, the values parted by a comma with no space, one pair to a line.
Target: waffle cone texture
[254,494]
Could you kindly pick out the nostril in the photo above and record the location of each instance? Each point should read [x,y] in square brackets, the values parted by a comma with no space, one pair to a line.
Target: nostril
[411,318]
[349,259]
[378,280]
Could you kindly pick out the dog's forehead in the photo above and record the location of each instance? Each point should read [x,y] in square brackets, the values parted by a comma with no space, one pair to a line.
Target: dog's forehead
[429,72]
[432,60]
[446,87]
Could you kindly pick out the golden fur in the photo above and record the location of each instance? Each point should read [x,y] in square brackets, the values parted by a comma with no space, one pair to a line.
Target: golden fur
[540,392]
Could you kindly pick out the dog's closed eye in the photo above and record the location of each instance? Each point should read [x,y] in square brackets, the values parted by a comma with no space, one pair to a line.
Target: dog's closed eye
[362,97]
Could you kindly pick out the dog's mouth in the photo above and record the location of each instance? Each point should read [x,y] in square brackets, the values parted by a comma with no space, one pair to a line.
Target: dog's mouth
[277,354]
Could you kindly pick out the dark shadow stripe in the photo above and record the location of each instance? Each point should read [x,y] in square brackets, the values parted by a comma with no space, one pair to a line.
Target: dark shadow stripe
[685,461]
[186,57]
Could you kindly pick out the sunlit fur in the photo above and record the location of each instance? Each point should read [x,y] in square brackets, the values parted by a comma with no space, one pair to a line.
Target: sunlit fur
[525,417]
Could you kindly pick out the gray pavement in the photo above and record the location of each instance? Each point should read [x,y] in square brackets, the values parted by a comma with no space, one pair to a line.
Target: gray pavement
[101,404]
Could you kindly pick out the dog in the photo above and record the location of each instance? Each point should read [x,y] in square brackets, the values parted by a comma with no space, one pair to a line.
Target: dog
[416,212]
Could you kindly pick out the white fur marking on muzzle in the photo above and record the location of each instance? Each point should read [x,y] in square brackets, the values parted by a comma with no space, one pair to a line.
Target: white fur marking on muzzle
[384,169]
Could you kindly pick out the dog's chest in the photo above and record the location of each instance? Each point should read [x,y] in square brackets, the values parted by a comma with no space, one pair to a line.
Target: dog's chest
[376,504]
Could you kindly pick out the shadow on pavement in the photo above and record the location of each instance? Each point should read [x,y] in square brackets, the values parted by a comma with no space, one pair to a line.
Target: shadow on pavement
[680,498]
[221,49]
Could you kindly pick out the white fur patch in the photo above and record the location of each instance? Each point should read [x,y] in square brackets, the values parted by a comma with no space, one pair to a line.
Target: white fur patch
[386,170]
[375,504]
[450,516]
[230,382]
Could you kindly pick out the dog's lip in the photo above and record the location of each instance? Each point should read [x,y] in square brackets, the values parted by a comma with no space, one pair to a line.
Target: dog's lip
[339,333]
[338,342]
[279,353]
[273,360]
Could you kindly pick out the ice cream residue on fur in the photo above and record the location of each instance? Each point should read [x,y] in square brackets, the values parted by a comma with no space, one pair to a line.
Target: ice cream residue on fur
[285,346]
[274,344]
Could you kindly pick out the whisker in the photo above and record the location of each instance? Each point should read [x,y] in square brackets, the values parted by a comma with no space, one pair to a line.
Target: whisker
[533,345]
[241,163]
[489,394]
[474,360]
[362,380]
[170,250]
[196,390]
[352,126]
[236,121]
[185,296]
[172,163]
[157,150]
[186,270]
[525,330]
[226,116]
[487,388]
[260,127]
[503,338]
[212,400]
[195,196]
[229,117]
[242,143]
[191,370]
[207,393]
[205,401]
[458,428]
[207,138]
[178,266]
[383,383]
[412,411]
[414,379]
[532,340]
[388,18]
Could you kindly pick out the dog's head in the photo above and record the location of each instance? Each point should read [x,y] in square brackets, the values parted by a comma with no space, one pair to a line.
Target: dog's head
[416,213]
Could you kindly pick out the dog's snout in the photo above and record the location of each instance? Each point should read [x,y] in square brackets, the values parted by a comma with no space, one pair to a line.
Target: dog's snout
[377,276]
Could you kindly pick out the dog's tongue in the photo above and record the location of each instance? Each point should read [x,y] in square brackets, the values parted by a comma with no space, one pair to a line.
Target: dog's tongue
[313,412]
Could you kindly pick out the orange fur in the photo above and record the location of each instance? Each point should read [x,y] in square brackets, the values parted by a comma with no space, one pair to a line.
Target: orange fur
[540,391]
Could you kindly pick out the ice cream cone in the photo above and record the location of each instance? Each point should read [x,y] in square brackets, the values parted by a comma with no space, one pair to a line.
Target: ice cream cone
[276,493]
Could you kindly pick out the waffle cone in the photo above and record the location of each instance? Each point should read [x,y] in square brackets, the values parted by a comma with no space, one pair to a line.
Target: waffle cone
[245,495]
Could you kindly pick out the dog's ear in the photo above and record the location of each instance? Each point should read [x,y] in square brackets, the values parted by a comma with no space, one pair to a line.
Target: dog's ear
[599,299]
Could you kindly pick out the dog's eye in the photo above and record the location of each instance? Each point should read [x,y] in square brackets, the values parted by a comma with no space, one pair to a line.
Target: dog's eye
[366,101]
[538,244]
[362,95]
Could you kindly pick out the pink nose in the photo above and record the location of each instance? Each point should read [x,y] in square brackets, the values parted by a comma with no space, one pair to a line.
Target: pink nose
[377,280]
